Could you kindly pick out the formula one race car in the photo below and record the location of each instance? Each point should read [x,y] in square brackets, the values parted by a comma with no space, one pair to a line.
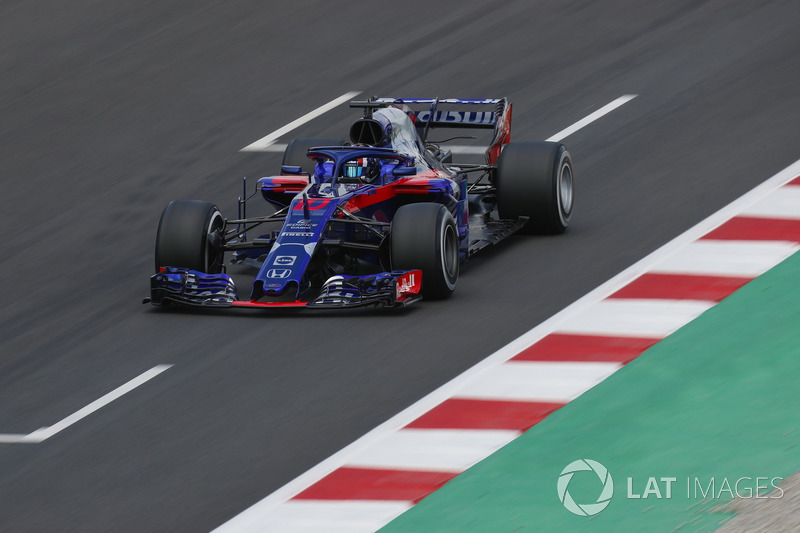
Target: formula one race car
[382,220]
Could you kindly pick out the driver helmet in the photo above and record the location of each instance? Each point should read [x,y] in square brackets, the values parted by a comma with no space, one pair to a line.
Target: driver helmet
[364,168]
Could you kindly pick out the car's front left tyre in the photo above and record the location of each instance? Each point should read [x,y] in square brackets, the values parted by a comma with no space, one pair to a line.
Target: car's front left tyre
[425,237]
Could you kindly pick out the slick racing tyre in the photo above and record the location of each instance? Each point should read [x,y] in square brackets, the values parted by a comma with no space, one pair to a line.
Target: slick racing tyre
[535,180]
[425,237]
[190,235]
[295,153]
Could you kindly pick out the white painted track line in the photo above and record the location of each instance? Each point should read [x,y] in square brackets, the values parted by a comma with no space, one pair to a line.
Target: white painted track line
[264,142]
[437,450]
[536,381]
[635,318]
[327,516]
[9,438]
[278,148]
[45,433]
[606,109]
[726,258]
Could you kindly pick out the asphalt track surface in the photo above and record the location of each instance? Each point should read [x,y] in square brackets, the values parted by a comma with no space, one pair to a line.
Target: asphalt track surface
[108,110]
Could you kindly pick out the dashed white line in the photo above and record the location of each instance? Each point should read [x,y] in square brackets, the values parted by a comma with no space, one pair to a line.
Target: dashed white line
[274,147]
[261,144]
[11,438]
[606,109]
[45,433]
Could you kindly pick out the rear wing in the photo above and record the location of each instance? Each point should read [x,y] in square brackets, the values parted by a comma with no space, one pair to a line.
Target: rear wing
[466,118]
[487,113]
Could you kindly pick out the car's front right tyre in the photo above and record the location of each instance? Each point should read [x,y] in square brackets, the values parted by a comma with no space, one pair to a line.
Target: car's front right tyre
[190,235]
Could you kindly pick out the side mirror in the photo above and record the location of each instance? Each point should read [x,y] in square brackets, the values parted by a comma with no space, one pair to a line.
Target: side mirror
[291,169]
[404,171]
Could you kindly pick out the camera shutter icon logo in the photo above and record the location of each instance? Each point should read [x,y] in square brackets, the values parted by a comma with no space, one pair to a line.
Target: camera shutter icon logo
[585,509]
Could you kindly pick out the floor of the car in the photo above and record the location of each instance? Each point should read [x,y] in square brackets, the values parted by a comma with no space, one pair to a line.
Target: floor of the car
[485,231]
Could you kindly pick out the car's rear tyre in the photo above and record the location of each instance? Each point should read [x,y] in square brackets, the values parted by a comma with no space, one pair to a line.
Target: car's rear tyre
[535,180]
[190,235]
[295,153]
[425,237]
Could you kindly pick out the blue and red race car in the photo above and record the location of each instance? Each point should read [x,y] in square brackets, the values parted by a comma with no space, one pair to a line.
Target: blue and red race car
[384,219]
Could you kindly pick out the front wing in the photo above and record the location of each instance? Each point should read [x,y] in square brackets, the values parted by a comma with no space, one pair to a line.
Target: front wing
[190,287]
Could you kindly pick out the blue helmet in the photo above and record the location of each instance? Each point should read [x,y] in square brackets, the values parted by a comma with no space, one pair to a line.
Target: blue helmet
[367,169]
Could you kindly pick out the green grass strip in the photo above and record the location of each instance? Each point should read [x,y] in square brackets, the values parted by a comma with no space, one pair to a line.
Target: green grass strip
[719,399]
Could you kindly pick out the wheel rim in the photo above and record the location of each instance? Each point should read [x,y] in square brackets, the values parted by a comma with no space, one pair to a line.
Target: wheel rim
[565,189]
[449,255]
[214,255]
